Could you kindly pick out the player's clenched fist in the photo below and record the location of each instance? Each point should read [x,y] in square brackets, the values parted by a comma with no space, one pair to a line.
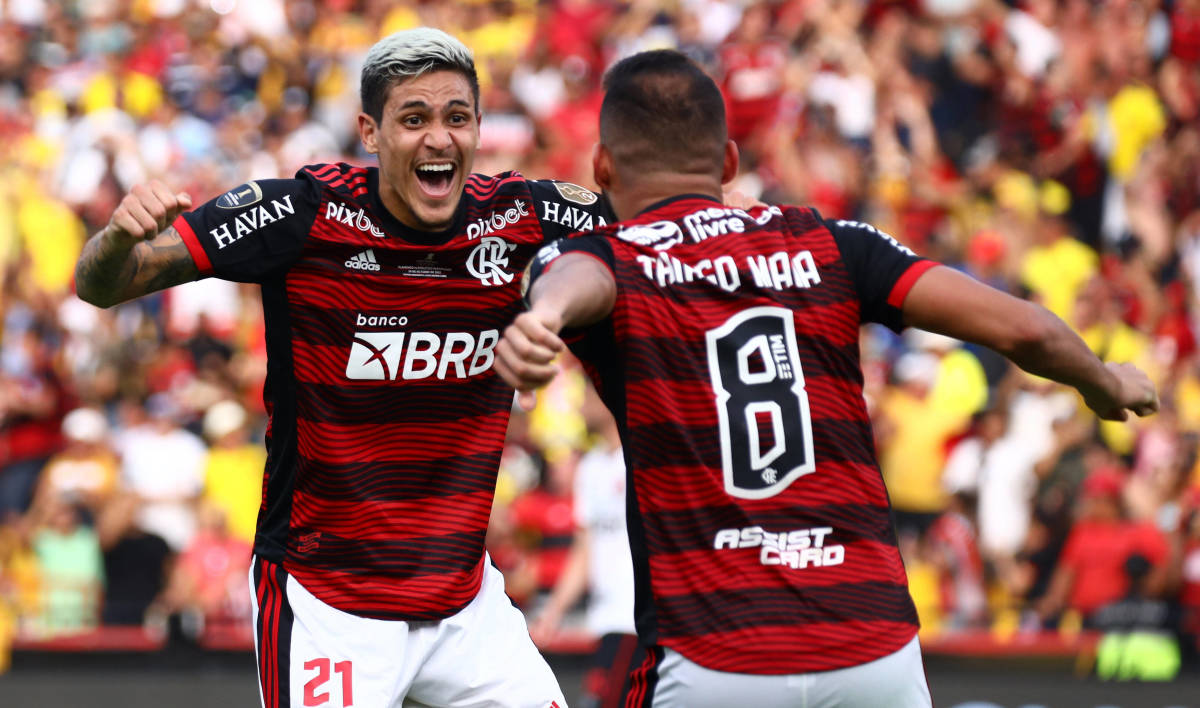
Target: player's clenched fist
[1132,391]
[145,211]
[525,355]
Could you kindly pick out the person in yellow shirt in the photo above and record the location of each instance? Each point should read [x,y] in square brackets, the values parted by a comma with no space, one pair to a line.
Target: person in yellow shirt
[233,472]
[1058,265]
[914,430]
[51,236]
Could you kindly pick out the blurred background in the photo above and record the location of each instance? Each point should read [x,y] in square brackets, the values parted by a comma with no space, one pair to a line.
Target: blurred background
[1051,149]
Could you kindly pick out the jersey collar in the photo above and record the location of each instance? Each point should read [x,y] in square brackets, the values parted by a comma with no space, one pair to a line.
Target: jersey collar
[394,227]
[676,199]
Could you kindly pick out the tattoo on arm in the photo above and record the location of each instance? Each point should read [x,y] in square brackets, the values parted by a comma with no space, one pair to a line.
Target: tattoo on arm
[107,275]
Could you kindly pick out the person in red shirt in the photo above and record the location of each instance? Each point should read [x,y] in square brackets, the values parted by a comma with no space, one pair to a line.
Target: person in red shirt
[1091,570]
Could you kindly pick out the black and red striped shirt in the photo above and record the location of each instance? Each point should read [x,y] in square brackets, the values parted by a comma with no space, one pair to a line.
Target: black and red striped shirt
[386,420]
[760,524]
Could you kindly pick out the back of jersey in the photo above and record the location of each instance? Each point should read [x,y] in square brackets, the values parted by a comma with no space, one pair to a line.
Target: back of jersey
[760,524]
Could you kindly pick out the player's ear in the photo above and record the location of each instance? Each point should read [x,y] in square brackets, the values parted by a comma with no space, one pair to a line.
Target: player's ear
[602,166]
[729,169]
[368,133]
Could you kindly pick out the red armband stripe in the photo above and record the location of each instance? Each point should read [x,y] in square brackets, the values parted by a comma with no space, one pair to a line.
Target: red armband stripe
[193,246]
[906,281]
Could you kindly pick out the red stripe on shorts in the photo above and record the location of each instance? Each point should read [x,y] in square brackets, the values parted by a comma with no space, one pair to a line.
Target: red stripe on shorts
[641,678]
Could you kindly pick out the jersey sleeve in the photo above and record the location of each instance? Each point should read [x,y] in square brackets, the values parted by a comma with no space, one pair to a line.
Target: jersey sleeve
[595,245]
[564,208]
[883,270]
[251,232]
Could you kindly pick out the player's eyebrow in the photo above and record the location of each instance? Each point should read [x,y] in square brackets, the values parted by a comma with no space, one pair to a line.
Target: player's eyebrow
[418,103]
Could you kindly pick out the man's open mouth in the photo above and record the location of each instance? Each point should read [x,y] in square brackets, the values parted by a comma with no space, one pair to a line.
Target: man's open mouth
[436,178]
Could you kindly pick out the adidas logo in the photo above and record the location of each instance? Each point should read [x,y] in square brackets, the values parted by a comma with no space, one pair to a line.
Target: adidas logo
[364,261]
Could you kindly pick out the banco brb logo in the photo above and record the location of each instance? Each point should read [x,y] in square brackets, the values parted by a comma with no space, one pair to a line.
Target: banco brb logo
[374,356]
[388,356]
[489,260]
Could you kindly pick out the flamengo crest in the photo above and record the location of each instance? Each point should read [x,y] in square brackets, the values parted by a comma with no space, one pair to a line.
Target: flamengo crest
[489,259]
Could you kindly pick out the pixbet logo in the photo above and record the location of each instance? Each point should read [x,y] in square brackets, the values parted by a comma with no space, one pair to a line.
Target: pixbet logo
[354,219]
[497,220]
[489,260]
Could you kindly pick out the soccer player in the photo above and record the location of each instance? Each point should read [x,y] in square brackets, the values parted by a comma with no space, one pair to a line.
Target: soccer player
[384,292]
[725,342]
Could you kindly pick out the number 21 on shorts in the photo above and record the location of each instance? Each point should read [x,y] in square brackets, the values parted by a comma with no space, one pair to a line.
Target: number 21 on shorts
[316,690]
[762,407]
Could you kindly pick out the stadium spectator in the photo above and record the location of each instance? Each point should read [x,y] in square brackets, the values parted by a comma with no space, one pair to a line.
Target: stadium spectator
[233,470]
[598,565]
[725,428]
[207,583]
[162,466]
[542,518]
[70,567]
[913,436]
[998,469]
[85,472]
[32,403]
[136,563]
[1091,570]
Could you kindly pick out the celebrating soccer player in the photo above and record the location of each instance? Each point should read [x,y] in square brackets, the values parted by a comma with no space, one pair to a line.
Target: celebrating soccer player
[384,292]
[725,342]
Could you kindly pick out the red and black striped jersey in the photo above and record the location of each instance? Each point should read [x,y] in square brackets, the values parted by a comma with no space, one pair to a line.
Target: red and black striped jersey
[386,420]
[760,525]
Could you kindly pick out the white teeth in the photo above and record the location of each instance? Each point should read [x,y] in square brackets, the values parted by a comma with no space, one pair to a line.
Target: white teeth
[436,168]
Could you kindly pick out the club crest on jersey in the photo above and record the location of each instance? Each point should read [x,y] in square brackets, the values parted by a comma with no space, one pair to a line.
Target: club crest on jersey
[660,234]
[575,193]
[489,259]
[238,197]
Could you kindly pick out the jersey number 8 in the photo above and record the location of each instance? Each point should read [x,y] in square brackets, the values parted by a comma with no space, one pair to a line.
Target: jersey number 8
[766,431]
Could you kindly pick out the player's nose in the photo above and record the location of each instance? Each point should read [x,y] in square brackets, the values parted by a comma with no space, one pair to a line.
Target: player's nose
[438,137]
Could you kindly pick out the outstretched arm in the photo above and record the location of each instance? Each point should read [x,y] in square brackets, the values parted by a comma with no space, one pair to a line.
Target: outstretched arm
[138,252]
[951,303]
[577,291]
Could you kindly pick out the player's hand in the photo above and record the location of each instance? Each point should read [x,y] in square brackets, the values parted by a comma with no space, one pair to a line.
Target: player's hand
[544,629]
[525,355]
[145,211]
[1133,392]
[737,199]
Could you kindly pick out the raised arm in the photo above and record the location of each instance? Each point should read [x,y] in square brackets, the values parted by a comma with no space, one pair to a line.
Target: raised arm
[138,252]
[577,291]
[948,302]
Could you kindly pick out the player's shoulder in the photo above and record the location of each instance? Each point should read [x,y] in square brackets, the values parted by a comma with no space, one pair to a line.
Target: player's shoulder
[482,187]
[341,178]
[560,191]
[859,232]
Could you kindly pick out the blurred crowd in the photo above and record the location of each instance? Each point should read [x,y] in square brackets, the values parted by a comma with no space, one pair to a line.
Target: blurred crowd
[1051,149]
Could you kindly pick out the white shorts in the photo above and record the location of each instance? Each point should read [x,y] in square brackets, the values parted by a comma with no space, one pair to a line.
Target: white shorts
[895,681]
[311,655]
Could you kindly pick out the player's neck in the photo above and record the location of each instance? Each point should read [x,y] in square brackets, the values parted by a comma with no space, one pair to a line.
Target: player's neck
[645,192]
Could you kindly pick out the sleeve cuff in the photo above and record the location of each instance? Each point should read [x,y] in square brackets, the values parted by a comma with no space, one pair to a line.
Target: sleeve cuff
[203,264]
[906,281]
